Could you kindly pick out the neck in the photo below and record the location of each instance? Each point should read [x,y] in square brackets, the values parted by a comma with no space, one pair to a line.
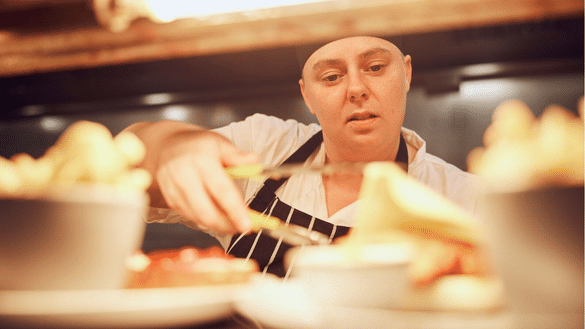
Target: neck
[361,152]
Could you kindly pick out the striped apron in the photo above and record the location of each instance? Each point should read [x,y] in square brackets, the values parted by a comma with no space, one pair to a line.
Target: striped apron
[269,252]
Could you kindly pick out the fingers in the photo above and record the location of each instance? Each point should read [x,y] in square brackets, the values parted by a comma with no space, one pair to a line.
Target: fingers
[193,181]
[232,156]
[228,198]
[186,193]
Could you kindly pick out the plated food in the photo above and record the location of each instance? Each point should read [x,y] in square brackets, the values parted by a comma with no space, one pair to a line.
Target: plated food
[86,153]
[71,217]
[375,265]
[188,266]
[395,207]
[523,152]
[533,169]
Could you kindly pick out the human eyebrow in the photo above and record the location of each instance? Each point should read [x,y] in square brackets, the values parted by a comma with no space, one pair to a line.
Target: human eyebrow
[375,51]
[325,63]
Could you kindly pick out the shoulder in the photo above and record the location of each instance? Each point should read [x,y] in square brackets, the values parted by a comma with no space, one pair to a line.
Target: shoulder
[274,139]
[437,168]
[456,185]
[424,163]
[447,179]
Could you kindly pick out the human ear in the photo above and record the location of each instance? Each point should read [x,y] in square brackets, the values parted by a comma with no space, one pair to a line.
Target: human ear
[302,85]
[408,71]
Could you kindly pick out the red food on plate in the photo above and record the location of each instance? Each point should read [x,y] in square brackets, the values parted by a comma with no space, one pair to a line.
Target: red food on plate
[187,266]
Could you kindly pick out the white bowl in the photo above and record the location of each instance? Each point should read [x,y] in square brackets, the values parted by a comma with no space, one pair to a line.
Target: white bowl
[537,240]
[375,276]
[72,238]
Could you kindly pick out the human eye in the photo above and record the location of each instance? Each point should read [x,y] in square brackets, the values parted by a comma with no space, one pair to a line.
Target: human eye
[375,68]
[331,77]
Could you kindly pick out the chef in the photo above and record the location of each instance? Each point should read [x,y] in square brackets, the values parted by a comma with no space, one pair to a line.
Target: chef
[357,88]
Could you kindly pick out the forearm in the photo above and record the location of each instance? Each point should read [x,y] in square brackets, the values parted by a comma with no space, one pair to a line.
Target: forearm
[156,136]
[187,164]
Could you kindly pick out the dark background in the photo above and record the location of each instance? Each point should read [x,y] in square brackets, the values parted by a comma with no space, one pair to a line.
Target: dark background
[459,78]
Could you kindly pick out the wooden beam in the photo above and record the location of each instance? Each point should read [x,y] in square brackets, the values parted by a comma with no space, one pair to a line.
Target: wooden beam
[147,41]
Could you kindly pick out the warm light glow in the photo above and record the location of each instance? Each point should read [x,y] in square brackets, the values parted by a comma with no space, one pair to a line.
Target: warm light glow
[52,124]
[33,110]
[169,10]
[176,113]
[480,70]
[157,99]
[493,90]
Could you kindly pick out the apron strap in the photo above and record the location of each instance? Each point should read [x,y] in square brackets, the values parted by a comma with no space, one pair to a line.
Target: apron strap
[311,145]
[402,155]
[300,155]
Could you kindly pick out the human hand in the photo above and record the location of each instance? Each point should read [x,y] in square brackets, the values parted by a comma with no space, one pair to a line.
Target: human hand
[191,178]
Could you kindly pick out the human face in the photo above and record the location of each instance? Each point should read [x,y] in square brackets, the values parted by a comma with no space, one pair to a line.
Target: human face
[357,89]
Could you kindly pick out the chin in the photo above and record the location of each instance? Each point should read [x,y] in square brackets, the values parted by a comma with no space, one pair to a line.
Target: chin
[369,147]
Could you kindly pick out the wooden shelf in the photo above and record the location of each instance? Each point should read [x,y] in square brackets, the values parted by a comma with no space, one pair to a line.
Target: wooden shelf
[96,46]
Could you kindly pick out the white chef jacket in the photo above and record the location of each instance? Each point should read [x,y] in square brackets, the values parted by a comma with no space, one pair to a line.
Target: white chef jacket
[275,140]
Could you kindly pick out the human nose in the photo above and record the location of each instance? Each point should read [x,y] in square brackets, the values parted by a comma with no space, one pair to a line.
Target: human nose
[357,89]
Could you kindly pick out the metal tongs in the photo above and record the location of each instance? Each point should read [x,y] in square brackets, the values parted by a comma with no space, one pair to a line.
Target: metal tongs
[297,235]
[290,233]
[258,171]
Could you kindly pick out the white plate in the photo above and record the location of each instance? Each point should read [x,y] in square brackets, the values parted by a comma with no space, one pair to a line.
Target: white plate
[161,307]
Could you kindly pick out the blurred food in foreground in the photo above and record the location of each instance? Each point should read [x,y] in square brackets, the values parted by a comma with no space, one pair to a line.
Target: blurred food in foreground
[394,206]
[446,258]
[188,266]
[522,152]
[532,170]
[71,217]
[376,278]
[85,153]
